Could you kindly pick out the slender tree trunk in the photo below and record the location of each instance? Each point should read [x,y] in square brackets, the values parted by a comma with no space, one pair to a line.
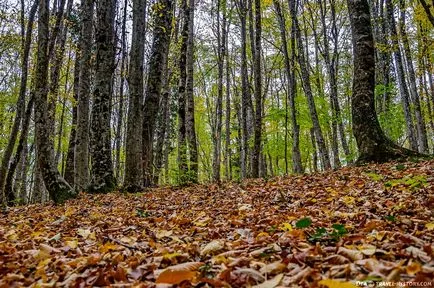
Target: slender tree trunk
[102,179]
[69,166]
[420,123]
[19,151]
[297,167]
[403,90]
[21,103]
[57,187]
[182,142]
[190,121]
[120,120]
[133,148]
[228,156]
[81,160]
[217,131]
[258,92]
[322,149]
[160,50]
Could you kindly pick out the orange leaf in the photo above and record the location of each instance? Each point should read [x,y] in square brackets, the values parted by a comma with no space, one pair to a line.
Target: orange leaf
[178,273]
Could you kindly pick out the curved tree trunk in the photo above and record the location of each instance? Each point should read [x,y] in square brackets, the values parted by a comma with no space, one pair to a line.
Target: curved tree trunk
[372,143]
[21,103]
[58,189]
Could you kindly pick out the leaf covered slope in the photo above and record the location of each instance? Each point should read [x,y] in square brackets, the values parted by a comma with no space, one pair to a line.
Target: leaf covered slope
[371,223]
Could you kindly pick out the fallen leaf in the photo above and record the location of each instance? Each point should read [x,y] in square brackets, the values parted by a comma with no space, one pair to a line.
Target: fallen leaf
[178,273]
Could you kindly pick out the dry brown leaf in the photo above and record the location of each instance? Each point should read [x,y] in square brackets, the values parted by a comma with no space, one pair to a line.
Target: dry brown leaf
[275,281]
[178,273]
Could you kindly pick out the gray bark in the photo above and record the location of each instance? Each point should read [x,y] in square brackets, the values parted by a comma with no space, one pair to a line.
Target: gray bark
[58,189]
[189,117]
[81,155]
[21,99]
[297,166]
[102,179]
[322,149]
[133,149]
[420,123]
[403,89]
[160,50]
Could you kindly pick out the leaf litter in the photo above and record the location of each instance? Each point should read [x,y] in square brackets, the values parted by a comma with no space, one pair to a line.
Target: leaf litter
[370,223]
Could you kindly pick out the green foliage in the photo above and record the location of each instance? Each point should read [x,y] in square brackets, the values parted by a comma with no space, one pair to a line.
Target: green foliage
[336,232]
[303,223]
[412,182]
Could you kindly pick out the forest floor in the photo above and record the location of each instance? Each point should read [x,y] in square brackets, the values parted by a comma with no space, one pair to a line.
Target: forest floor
[344,228]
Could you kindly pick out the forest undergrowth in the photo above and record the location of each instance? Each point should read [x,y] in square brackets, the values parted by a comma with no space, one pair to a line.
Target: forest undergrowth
[344,228]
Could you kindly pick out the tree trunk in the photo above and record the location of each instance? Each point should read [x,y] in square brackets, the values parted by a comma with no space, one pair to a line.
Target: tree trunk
[403,90]
[297,166]
[322,149]
[102,179]
[81,160]
[58,189]
[69,169]
[160,50]
[258,92]
[420,123]
[133,148]
[182,142]
[21,103]
[190,121]
[372,143]
[217,131]
[120,120]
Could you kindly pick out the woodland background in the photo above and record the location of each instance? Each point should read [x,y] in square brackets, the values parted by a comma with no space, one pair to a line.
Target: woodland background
[200,91]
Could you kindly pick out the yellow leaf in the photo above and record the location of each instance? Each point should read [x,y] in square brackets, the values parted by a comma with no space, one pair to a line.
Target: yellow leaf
[270,283]
[286,227]
[108,247]
[178,273]
[336,284]
[170,256]
[36,234]
[429,226]
[72,244]
[69,211]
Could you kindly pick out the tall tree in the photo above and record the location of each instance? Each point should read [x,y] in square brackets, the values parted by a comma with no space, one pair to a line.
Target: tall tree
[133,164]
[258,91]
[372,143]
[81,155]
[58,189]
[322,148]
[122,72]
[159,54]
[403,89]
[420,123]
[102,179]
[21,103]
[291,90]
[189,116]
